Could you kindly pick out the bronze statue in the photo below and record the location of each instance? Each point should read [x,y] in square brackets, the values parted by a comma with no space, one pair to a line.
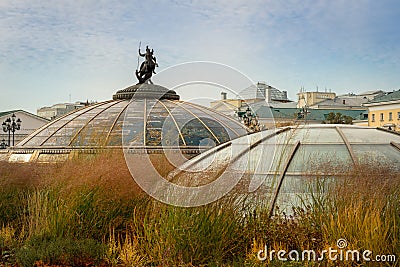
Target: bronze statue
[147,68]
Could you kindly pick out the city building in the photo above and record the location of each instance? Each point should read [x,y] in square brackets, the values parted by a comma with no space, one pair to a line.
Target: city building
[58,110]
[261,91]
[308,99]
[29,123]
[253,96]
[270,117]
[348,104]
[340,102]
[384,111]
[227,106]
[368,95]
[347,101]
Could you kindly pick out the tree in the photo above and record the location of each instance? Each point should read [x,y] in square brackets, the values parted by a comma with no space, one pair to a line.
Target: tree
[338,118]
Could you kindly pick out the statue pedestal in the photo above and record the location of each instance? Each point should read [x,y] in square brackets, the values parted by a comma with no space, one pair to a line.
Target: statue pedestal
[149,91]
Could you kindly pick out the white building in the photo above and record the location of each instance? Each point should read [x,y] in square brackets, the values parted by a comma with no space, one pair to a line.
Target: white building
[58,110]
[29,123]
[263,91]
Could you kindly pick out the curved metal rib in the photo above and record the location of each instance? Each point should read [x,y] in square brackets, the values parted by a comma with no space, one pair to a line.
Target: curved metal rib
[209,112]
[32,135]
[222,114]
[115,122]
[173,119]
[194,115]
[281,177]
[395,145]
[98,105]
[353,156]
[87,123]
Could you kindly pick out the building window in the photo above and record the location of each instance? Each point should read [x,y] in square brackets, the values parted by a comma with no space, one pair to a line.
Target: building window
[381,116]
[390,116]
[373,118]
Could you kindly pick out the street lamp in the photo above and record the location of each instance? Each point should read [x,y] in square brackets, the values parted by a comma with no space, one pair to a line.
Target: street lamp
[3,144]
[302,114]
[249,119]
[11,125]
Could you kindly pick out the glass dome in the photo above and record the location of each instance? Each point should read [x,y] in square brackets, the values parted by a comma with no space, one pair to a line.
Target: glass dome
[152,118]
[102,125]
[278,162]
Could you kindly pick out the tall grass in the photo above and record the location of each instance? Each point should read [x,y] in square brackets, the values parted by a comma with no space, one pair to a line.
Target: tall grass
[90,212]
[364,208]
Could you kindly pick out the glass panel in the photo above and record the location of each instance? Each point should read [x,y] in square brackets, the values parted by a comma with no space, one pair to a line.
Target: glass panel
[369,136]
[65,129]
[300,191]
[131,124]
[261,158]
[91,135]
[286,137]
[281,156]
[317,135]
[266,158]
[320,158]
[378,154]
[294,184]
[220,125]
[35,141]
[58,140]
[171,136]
[194,132]
[95,132]
[155,120]
[182,119]
[286,202]
[265,187]
[216,128]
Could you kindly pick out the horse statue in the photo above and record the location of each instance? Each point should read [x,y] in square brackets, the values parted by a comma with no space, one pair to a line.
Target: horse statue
[147,68]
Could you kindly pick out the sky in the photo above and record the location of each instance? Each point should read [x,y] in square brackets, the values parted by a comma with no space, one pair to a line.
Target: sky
[56,51]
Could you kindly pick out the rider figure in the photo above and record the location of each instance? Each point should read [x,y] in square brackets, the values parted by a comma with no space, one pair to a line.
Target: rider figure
[150,61]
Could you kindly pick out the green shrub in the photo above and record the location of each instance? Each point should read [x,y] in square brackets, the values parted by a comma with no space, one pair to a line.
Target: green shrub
[10,205]
[61,251]
[172,236]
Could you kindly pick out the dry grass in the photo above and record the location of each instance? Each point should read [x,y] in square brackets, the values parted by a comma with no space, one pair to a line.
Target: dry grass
[365,210]
[91,212]
[106,170]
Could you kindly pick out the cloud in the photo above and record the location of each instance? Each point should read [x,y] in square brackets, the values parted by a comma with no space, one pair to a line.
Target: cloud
[287,42]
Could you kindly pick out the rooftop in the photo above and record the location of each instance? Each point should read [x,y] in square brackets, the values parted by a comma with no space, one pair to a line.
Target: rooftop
[390,96]
[312,114]
[10,112]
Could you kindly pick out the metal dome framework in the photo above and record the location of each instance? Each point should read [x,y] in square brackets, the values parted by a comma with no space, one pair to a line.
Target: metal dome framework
[278,162]
[142,124]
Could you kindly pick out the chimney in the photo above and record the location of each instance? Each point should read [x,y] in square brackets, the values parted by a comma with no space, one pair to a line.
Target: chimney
[223,96]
